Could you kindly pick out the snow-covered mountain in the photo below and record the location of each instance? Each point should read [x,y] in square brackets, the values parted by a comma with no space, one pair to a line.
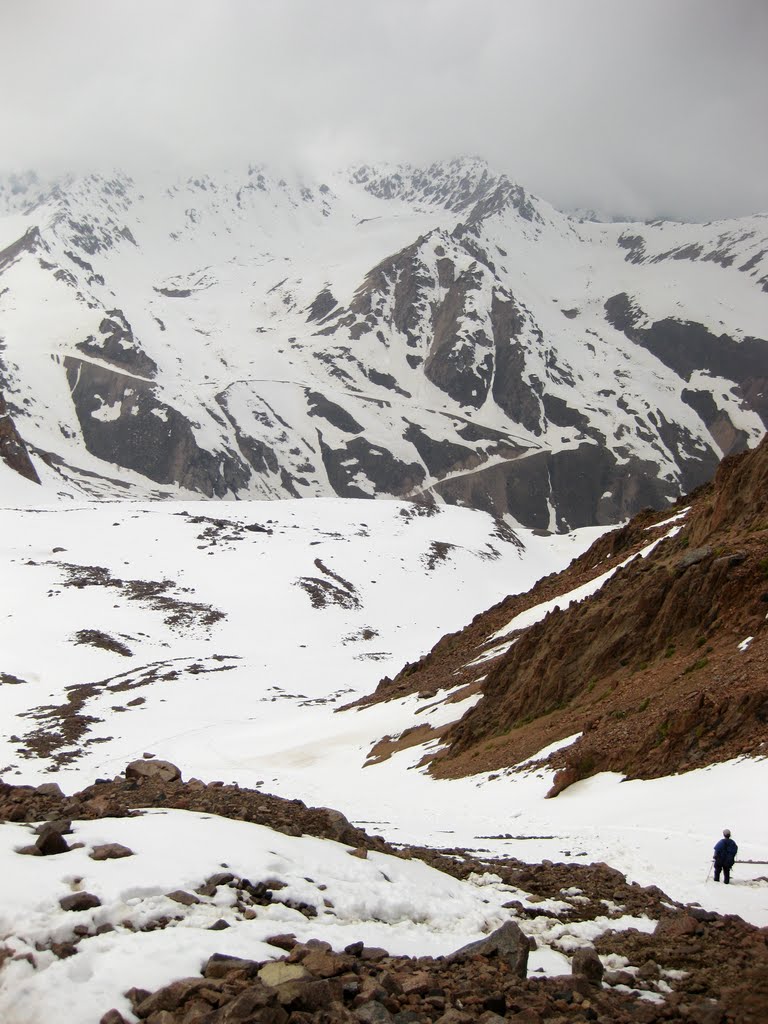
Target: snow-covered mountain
[387,331]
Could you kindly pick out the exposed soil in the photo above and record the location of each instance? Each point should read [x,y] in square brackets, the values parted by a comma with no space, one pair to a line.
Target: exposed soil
[159,595]
[105,642]
[61,732]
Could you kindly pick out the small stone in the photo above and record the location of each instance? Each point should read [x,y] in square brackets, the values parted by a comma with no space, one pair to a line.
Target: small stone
[286,941]
[171,997]
[324,964]
[699,914]
[113,1017]
[161,1017]
[249,1005]
[63,950]
[676,926]
[219,965]
[650,970]
[79,901]
[135,996]
[277,972]
[417,983]
[219,926]
[374,953]
[360,852]
[309,994]
[110,851]
[509,943]
[373,1013]
[619,978]
[187,899]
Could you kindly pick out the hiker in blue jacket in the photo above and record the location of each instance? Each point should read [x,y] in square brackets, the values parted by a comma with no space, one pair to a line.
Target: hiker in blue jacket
[725,855]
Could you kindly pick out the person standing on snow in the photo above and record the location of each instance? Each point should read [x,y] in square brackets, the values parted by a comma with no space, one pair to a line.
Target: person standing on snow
[725,855]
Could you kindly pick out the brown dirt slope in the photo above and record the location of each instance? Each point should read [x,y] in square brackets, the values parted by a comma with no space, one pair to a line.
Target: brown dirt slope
[649,668]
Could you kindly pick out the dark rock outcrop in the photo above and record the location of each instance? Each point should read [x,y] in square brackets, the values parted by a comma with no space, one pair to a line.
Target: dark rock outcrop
[125,421]
[13,451]
[117,345]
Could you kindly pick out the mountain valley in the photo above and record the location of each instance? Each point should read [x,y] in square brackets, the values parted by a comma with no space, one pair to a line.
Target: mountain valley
[273,751]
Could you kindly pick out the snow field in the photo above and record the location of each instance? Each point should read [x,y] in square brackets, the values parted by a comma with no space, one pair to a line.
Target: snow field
[268,717]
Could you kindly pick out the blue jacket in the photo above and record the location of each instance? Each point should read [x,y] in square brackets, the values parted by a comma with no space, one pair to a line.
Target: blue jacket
[725,852]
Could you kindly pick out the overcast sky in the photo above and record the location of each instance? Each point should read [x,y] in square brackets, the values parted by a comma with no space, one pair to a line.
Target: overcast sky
[643,107]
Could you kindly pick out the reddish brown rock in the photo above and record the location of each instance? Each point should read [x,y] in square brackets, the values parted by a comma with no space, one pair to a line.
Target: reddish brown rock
[110,851]
[79,901]
[163,771]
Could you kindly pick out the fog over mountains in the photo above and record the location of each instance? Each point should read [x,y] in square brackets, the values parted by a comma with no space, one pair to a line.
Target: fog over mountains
[387,331]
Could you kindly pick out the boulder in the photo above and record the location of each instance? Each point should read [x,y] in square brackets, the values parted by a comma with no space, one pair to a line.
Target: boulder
[588,964]
[51,789]
[509,943]
[51,841]
[160,771]
[337,824]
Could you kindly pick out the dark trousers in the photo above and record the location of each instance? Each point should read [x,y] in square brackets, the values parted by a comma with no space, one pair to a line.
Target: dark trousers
[726,869]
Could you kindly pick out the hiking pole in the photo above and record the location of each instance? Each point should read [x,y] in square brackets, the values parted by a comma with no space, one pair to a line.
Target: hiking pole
[709,872]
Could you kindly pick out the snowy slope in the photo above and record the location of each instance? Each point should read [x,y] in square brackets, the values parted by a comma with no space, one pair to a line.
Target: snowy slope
[314,612]
[388,331]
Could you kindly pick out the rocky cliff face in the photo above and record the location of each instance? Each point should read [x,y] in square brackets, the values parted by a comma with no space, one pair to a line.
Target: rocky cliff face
[391,331]
[663,668]
[13,451]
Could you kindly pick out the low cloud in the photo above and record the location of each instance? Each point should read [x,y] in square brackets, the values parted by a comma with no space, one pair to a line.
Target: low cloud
[643,107]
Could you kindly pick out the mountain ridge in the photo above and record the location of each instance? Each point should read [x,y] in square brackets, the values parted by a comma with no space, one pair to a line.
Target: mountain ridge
[467,341]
